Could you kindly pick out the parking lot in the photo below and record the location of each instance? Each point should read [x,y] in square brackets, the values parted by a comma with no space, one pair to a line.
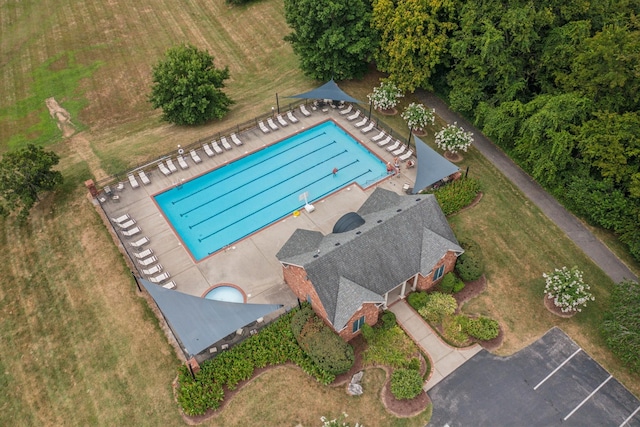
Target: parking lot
[552,382]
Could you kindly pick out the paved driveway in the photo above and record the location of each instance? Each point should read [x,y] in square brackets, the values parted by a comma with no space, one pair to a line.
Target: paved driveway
[552,382]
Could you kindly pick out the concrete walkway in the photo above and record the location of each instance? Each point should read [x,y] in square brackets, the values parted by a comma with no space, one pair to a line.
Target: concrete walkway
[444,358]
[567,222]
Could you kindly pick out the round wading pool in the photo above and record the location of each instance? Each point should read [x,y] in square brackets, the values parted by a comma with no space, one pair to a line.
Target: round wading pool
[227,293]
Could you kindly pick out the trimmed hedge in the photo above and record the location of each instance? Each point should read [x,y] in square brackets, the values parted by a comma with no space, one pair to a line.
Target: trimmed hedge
[274,345]
[388,320]
[457,194]
[451,284]
[468,268]
[324,346]
[406,383]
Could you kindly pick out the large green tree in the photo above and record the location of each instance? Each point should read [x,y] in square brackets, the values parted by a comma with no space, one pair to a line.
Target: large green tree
[414,36]
[23,175]
[333,39]
[187,86]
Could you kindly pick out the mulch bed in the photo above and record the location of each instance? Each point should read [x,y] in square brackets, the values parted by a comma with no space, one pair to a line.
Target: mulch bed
[470,290]
[548,303]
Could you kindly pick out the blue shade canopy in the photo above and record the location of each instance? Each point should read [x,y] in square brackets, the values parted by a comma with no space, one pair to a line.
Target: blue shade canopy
[329,90]
[199,322]
[432,167]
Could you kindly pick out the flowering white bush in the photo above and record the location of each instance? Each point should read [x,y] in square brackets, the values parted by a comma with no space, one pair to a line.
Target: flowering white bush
[567,289]
[385,96]
[418,117]
[453,139]
[337,422]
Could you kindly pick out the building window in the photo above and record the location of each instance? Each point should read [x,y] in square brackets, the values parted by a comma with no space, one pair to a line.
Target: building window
[358,324]
[438,273]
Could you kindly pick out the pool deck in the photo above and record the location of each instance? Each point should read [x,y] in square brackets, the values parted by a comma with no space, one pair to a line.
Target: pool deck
[250,263]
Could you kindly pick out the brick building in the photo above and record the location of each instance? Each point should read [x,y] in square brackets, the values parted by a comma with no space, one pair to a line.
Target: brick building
[392,245]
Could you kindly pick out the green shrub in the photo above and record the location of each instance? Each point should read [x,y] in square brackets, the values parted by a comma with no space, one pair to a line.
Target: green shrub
[325,347]
[438,306]
[406,383]
[457,194]
[300,318]
[391,347]
[621,327]
[368,332]
[482,328]
[414,364]
[388,320]
[454,330]
[451,284]
[468,267]
[417,300]
[458,286]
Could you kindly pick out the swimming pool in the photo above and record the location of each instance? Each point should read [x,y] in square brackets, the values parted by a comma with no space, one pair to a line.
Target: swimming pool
[229,203]
[225,293]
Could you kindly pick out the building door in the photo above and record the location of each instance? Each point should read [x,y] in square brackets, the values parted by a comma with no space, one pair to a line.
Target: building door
[396,293]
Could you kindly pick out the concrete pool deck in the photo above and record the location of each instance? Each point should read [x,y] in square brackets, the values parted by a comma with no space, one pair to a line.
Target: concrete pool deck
[250,263]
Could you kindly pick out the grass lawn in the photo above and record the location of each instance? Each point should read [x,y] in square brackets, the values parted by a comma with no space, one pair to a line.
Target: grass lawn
[79,346]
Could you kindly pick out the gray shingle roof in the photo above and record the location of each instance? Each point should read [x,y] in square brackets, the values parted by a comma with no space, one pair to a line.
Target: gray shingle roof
[401,236]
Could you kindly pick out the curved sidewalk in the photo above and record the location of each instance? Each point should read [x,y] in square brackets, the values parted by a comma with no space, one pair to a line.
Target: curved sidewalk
[566,221]
[444,358]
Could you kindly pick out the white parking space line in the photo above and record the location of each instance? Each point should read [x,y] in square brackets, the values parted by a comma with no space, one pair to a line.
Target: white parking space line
[556,370]
[587,398]
[630,416]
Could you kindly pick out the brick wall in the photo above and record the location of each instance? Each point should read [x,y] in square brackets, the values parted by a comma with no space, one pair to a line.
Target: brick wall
[370,313]
[296,278]
[426,282]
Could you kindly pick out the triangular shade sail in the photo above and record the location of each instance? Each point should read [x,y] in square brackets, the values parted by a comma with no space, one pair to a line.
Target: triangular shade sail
[198,322]
[329,90]
[432,167]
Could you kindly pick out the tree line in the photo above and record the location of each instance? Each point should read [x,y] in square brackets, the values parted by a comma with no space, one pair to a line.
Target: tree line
[556,84]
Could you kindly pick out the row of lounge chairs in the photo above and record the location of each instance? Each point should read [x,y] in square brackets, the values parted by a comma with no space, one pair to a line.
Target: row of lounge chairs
[145,257]
[397,149]
[272,126]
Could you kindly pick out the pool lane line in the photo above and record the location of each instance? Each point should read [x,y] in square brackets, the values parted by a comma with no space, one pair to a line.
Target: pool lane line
[173,202]
[262,191]
[557,369]
[252,180]
[272,203]
[260,177]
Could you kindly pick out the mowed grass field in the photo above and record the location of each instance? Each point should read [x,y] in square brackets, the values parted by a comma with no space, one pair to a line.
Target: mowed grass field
[79,345]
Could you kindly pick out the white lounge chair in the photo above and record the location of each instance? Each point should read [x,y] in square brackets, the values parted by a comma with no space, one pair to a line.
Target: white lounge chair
[354,116]
[235,139]
[147,261]
[160,278]
[347,110]
[153,270]
[272,125]
[164,169]
[169,285]
[121,218]
[400,150]
[216,147]
[394,146]
[361,122]
[171,166]
[304,110]
[208,150]
[126,224]
[143,254]
[368,127]
[282,121]
[225,143]
[384,141]
[133,181]
[144,178]
[182,162]
[263,128]
[131,232]
[291,117]
[120,186]
[138,243]
[406,156]
[378,137]
[194,155]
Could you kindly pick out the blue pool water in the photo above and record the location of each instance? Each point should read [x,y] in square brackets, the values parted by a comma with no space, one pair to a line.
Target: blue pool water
[225,293]
[223,206]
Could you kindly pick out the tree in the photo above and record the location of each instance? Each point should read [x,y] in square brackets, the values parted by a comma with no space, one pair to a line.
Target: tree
[453,139]
[23,175]
[385,96]
[187,86]
[418,117]
[414,38]
[332,39]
